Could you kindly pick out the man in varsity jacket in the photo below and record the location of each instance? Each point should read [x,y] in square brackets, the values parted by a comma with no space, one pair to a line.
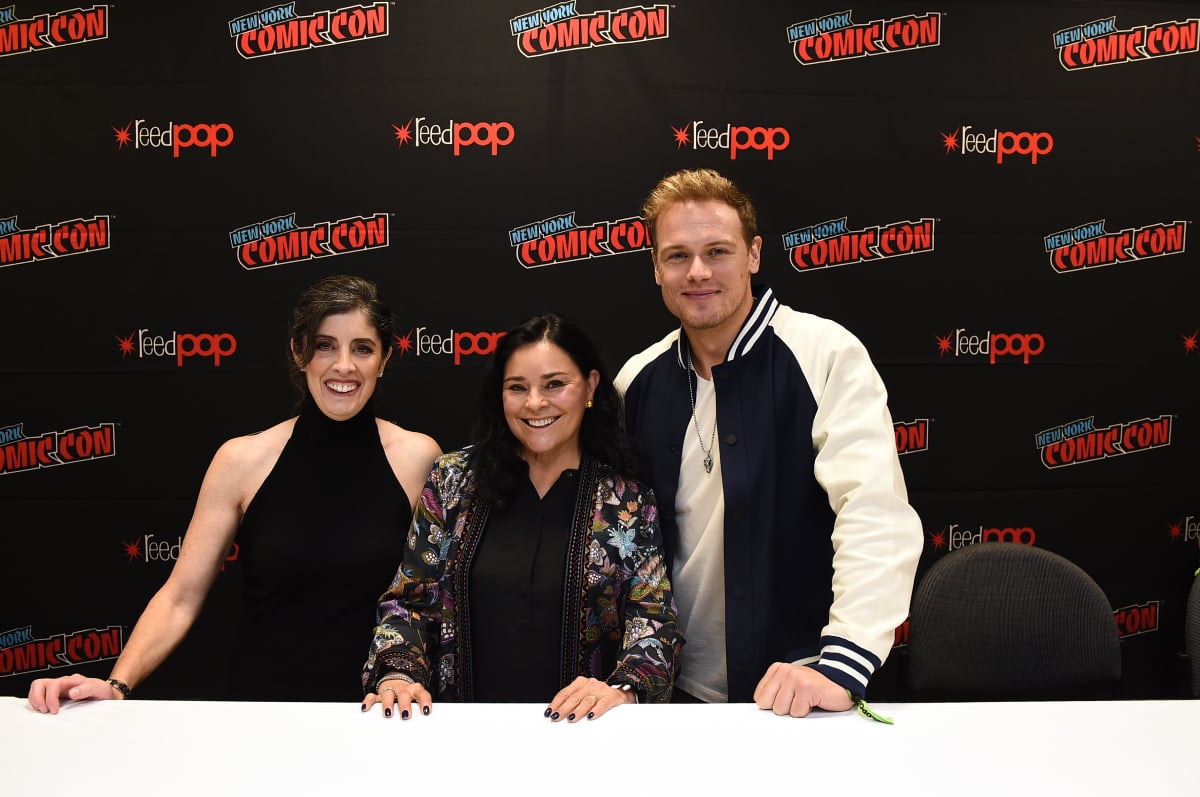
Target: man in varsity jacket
[770,447]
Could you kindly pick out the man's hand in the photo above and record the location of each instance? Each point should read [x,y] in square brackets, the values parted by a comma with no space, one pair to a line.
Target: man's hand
[796,690]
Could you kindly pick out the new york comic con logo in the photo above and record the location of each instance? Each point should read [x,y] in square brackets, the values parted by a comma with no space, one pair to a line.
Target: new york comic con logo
[911,436]
[1089,246]
[560,240]
[732,138]
[835,37]
[560,28]
[1136,619]
[1081,441]
[22,652]
[833,243]
[278,241]
[59,239]
[48,31]
[279,29]
[1101,43]
[49,449]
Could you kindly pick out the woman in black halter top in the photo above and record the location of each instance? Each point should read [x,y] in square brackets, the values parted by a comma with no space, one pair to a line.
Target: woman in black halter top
[319,506]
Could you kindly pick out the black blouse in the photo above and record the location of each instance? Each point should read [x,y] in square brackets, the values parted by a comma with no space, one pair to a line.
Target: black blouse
[517,579]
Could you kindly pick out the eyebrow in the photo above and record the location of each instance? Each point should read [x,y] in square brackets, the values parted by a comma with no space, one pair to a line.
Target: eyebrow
[715,242]
[352,340]
[544,376]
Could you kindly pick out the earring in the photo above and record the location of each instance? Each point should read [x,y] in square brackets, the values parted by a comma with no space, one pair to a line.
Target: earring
[381,374]
[302,369]
[589,404]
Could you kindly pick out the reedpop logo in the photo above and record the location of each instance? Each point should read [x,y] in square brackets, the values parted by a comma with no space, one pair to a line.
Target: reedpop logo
[992,345]
[175,136]
[422,342]
[179,346]
[733,138]
[998,143]
[491,135]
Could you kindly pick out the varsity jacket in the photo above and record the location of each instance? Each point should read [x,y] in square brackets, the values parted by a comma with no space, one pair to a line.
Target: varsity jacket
[821,544]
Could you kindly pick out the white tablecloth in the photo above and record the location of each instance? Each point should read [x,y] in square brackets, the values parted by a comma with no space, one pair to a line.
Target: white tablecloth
[136,747]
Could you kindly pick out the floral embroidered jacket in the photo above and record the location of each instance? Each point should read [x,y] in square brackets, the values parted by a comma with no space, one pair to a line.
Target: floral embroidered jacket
[618,592]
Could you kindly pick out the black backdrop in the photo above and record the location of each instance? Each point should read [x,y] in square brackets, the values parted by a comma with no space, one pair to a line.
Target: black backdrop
[996,197]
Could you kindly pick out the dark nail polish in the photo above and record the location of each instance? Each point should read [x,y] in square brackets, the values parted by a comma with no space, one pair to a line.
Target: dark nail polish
[570,717]
[554,716]
[364,706]
[549,711]
[591,715]
[404,714]
[425,710]
[387,712]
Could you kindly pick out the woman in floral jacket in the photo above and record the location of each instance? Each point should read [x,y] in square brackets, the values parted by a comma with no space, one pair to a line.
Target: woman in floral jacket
[534,566]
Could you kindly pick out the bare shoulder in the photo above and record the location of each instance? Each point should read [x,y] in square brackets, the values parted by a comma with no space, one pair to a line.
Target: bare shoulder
[406,446]
[247,460]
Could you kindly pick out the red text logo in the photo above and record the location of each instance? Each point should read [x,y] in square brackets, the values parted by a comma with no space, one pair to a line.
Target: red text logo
[1090,246]
[733,138]
[175,136]
[205,345]
[273,31]
[1081,441]
[993,345]
[281,240]
[1134,620]
[911,435]
[999,143]
[51,240]
[836,37]
[49,449]
[21,652]
[1100,43]
[559,240]
[457,344]
[559,28]
[832,243]
[489,135]
[47,31]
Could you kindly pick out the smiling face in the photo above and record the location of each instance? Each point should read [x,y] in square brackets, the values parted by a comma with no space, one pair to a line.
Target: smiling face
[347,360]
[545,396]
[703,263]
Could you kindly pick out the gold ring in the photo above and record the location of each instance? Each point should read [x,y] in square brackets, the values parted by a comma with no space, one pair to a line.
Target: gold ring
[593,697]
[389,689]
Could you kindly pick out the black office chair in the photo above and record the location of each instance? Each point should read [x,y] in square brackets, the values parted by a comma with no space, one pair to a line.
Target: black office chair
[1193,634]
[1006,621]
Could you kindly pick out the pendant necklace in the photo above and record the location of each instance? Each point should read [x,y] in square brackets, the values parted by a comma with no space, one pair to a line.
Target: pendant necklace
[708,460]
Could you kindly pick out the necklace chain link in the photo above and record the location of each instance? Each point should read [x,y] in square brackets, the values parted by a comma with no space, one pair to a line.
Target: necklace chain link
[708,460]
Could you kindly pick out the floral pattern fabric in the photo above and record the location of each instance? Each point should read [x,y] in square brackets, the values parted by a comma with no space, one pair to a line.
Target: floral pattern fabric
[618,594]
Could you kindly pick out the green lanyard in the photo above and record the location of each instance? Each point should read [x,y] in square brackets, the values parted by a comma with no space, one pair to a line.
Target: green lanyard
[860,705]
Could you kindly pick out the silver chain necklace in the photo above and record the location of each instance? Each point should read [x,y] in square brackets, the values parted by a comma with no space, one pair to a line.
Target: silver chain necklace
[708,460]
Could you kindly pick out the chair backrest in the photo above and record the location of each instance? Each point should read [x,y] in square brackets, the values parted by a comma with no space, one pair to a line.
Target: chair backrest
[1002,620]
[1193,634]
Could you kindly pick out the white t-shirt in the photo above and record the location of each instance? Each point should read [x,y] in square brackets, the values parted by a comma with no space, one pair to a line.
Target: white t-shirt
[698,575]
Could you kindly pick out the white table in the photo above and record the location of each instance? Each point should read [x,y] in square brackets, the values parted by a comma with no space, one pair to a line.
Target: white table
[136,747]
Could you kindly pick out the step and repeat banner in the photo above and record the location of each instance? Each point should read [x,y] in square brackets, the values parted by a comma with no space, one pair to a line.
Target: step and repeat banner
[998,198]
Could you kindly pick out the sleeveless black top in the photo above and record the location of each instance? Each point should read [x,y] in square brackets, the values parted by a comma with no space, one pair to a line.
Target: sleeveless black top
[319,543]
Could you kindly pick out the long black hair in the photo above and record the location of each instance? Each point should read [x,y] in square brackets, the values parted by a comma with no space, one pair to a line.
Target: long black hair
[495,460]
